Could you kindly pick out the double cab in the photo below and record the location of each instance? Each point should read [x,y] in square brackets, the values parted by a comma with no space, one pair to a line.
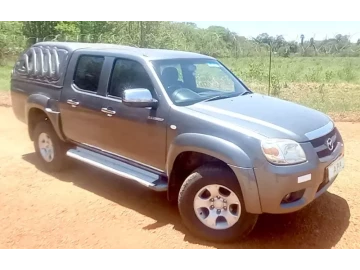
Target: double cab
[176,122]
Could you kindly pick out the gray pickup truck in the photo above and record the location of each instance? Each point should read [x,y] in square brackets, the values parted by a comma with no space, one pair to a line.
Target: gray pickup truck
[176,122]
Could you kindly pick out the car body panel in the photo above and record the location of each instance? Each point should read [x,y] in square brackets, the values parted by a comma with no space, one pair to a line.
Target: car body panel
[265,115]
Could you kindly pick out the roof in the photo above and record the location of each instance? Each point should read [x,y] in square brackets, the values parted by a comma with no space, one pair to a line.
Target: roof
[154,54]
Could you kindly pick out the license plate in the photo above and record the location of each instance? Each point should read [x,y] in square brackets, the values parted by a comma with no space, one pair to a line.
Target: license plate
[335,167]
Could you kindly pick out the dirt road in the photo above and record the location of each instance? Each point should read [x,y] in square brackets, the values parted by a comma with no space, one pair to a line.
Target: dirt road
[88,208]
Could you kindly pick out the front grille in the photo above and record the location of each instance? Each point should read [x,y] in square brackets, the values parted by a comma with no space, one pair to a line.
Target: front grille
[320,144]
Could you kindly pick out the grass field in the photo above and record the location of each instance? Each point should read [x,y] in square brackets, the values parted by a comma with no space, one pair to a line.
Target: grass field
[328,84]
[298,69]
[5,72]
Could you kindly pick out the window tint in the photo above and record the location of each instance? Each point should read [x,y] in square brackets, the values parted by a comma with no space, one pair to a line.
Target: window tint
[128,74]
[87,72]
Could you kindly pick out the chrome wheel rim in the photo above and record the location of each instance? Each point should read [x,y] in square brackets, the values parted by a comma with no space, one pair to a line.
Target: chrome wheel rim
[46,147]
[217,207]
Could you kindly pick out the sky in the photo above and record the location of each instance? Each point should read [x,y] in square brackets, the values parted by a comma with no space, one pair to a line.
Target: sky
[290,30]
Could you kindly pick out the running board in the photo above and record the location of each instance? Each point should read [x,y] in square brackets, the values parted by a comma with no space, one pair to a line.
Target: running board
[141,176]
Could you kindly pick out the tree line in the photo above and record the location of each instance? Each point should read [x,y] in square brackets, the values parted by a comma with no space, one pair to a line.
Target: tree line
[215,41]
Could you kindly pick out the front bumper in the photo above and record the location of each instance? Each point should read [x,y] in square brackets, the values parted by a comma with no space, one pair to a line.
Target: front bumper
[275,182]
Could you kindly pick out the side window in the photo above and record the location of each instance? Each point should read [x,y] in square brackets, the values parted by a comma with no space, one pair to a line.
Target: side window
[87,73]
[128,74]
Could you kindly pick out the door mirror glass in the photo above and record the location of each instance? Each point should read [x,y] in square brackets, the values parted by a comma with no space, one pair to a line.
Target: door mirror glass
[139,97]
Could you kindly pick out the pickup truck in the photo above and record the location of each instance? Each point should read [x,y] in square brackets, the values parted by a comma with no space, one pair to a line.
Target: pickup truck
[176,122]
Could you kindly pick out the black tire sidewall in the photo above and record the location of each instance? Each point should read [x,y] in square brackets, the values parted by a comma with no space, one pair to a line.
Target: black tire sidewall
[207,175]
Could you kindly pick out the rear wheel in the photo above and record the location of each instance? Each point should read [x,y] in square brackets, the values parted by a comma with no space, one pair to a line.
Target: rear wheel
[49,148]
[212,206]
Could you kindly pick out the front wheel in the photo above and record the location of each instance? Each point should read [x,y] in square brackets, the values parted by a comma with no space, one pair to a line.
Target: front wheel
[212,206]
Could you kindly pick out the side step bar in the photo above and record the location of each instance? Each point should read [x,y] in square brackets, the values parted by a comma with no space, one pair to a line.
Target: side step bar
[141,176]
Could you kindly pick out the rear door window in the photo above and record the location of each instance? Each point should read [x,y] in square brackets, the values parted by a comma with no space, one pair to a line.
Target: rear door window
[88,71]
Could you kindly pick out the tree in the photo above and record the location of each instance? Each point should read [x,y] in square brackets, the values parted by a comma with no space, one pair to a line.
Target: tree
[264,38]
[11,41]
[279,42]
[38,30]
[215,41]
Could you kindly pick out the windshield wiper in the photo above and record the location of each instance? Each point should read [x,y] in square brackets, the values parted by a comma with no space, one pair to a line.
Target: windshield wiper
[219,97]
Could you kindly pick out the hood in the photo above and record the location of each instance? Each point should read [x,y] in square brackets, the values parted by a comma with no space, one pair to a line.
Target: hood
[268,116]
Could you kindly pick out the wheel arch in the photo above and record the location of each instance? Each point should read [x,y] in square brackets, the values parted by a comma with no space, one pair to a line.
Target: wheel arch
[218,148]
[188,151]
[42,108]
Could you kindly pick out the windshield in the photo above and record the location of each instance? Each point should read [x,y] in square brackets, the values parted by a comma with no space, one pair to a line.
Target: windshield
[188,81]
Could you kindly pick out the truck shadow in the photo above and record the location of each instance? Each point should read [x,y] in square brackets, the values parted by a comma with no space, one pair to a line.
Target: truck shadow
[319,225]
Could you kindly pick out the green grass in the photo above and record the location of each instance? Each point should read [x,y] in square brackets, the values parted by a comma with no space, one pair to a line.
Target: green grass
[298,69]
[5,72]
[333,98]
[328,84]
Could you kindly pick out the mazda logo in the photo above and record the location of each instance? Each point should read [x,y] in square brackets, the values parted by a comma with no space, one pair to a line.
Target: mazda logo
[330,144]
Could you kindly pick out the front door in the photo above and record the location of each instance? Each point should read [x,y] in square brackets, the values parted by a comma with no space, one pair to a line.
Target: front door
[138,134]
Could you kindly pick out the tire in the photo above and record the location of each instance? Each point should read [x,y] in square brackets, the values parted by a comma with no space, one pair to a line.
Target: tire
[58,159]
[211,175]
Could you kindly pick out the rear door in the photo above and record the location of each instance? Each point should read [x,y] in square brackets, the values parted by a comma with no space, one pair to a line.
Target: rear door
[79,100]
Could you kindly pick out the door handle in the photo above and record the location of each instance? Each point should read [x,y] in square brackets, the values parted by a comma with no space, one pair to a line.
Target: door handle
[108,111]
[72,102]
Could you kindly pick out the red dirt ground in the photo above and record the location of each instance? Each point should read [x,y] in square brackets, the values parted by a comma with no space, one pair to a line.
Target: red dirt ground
[87,208]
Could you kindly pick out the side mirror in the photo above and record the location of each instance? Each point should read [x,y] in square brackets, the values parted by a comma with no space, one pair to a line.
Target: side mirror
[139,98]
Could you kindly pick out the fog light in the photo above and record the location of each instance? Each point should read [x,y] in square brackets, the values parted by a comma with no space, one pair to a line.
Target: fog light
[293,196]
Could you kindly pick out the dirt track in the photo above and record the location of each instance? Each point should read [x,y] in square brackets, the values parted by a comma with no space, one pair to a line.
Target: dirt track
[88,208]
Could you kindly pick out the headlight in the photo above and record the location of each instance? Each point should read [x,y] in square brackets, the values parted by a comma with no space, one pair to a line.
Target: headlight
[281,151]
